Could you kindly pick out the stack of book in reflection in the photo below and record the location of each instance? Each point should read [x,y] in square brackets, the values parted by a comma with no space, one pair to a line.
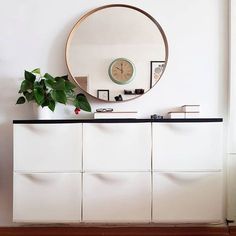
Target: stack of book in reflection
[187,111]
[116,115]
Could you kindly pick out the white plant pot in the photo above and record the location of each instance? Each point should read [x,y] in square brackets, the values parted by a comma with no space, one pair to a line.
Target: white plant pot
[42,113]
[61,112]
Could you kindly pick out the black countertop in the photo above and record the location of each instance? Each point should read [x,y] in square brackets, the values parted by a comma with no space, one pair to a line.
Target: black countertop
[64,121]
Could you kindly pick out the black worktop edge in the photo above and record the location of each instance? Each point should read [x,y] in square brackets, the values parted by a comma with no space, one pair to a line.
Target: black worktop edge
[64,121]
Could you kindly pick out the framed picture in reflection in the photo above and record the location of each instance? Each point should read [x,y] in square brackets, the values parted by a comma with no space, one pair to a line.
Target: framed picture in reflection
[103,94]
[156,70]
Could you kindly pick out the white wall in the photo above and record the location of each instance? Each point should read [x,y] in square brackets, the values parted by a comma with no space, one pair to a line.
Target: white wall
[33,34]
[232,91]
[231,160]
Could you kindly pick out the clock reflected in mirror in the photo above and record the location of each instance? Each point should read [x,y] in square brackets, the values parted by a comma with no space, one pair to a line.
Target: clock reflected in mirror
[121,71]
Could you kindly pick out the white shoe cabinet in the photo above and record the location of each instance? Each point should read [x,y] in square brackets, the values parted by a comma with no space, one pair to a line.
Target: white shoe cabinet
[137,171]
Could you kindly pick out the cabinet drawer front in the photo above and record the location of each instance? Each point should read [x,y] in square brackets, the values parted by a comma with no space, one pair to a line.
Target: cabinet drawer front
[47,198]
[187,146]
[117,197]
[47,147]
[188,197]
[117,147]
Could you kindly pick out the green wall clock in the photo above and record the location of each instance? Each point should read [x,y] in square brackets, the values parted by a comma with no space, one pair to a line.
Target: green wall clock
[121,71]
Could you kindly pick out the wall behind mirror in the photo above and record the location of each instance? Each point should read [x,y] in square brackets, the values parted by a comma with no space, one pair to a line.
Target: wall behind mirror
[110,32]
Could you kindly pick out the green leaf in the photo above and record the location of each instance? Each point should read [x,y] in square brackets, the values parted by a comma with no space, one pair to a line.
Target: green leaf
[29,95]
[46,100]
[47,76]
[39,95]
[29,76]
[59,96]
[20,100]
[52,105]
[60,85]
[80,95]
[25,85]
[36,71]
[82,102]
[38,84]
[45,103]
[49,102]
[50,83]
[69,86]
[64,77]
[42,83]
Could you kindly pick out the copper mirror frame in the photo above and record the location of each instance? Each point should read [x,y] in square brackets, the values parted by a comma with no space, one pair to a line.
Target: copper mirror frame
[111,6]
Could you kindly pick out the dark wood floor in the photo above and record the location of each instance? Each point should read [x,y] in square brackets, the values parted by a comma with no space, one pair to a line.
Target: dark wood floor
[117,231]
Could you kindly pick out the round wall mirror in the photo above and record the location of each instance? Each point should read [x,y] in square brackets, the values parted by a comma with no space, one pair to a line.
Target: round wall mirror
[116,52]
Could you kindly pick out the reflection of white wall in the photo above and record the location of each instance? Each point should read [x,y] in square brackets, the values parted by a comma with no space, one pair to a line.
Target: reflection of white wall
[95,61]
[117,25]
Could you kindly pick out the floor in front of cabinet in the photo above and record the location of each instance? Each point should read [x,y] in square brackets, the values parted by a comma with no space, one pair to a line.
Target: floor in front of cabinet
[117,231]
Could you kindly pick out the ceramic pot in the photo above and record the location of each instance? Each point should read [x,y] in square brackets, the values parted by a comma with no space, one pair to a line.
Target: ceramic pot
[42,113]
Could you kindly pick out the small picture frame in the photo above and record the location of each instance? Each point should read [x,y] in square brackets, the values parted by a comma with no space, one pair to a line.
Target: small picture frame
[156,70]
[103,94]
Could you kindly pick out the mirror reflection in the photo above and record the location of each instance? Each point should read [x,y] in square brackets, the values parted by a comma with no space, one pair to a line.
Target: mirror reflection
[116,52]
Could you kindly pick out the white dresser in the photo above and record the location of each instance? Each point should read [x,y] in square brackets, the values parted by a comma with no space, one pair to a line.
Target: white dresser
[118,171]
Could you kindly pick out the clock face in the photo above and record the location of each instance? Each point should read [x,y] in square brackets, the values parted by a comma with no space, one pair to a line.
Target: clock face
[121,71]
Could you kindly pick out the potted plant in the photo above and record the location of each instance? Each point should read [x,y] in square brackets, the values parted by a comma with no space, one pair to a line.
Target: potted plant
[46,91]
